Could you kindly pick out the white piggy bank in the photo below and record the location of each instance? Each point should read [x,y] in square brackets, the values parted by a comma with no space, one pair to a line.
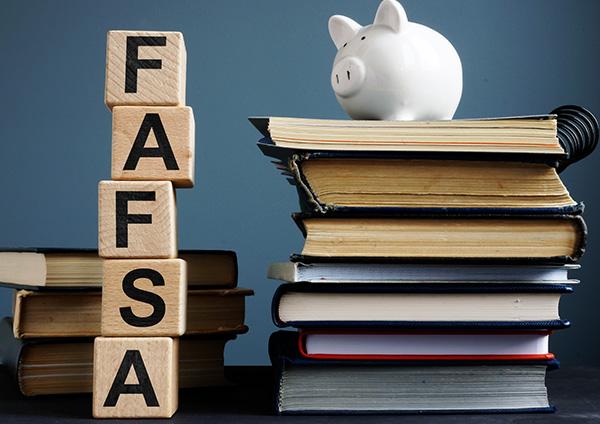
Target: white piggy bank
[394,69]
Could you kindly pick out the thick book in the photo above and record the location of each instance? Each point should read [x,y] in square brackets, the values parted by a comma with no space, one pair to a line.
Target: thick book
[325,386]
[425,344]
[56,366]
[364,272]
[77,268]
[402,306]
[442,236]
[77,313]
[331,182]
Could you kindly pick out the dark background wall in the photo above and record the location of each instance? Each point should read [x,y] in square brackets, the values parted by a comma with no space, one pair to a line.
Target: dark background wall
[248,58]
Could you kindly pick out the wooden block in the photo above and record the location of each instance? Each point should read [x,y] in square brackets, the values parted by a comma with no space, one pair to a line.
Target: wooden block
[137,219]
[153,143]
[144,297]
[145,68]
[135,377]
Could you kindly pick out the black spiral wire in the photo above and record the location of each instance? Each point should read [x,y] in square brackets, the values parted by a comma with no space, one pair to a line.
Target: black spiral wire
[577,131]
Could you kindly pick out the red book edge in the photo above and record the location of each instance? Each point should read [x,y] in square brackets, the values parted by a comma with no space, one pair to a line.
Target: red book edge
[304,333]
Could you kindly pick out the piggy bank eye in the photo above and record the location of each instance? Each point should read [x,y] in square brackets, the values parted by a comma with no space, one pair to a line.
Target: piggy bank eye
[363,37]
[345,44]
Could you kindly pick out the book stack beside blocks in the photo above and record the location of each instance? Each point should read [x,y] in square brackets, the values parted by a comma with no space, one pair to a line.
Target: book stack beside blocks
[434,260]
[47,344]
[145,286]
[137,318]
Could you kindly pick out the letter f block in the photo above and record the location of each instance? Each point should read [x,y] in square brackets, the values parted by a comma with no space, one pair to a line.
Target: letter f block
[137,219]
[145,68]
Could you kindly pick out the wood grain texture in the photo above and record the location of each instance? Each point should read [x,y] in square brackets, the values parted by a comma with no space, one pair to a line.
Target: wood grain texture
[153,143]
[135,377]
[155,73]
[144,297]
[137,219]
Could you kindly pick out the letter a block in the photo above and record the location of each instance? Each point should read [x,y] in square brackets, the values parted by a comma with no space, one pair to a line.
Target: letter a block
[144,297]
[145,68]
[153,144]
[137,219]
[135,377]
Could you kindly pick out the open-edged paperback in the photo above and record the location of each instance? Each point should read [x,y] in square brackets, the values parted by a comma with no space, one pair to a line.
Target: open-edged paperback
[527,134]
[565,136]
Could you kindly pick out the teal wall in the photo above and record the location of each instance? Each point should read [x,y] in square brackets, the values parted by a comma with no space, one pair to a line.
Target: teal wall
[250,58]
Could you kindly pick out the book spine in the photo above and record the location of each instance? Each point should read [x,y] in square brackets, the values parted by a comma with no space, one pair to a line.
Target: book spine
[425,325]
[307,197]
[577,132]
[10,351]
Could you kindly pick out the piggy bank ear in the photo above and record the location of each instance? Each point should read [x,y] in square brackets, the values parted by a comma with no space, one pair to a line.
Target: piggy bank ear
[391,14]
[342,29]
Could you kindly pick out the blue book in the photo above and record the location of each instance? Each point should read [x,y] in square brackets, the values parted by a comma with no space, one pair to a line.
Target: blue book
[401,306]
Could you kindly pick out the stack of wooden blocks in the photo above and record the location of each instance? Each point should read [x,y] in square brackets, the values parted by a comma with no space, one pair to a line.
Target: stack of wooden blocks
[145,284]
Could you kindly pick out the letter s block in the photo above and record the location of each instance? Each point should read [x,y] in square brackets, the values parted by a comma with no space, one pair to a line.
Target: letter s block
[135,377]
[137,219]
[144,297]
[145,68]
[153,143]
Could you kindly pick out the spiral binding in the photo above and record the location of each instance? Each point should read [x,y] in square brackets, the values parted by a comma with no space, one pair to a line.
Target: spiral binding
[577,131]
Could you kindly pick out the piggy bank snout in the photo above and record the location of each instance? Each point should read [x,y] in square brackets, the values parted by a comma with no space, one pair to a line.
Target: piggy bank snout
[348,76]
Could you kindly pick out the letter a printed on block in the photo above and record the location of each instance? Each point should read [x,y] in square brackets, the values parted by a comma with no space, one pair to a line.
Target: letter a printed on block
[153,144]
[135,377]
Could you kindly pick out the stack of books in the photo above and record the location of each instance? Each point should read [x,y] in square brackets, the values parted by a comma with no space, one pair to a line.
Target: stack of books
[435,257]
[47,345]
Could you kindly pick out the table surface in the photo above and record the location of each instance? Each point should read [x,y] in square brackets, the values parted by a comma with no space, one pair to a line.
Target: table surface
[575,391]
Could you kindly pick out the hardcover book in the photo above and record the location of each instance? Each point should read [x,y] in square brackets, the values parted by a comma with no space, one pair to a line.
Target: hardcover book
[364,272]
[401,306]
[491,237]
[328,182]
[37,268]
[326,386]
[424,344]
[55,366]
[63,313]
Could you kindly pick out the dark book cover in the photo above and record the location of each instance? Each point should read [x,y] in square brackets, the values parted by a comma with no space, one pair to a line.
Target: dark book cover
[284,353]
[412,288]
